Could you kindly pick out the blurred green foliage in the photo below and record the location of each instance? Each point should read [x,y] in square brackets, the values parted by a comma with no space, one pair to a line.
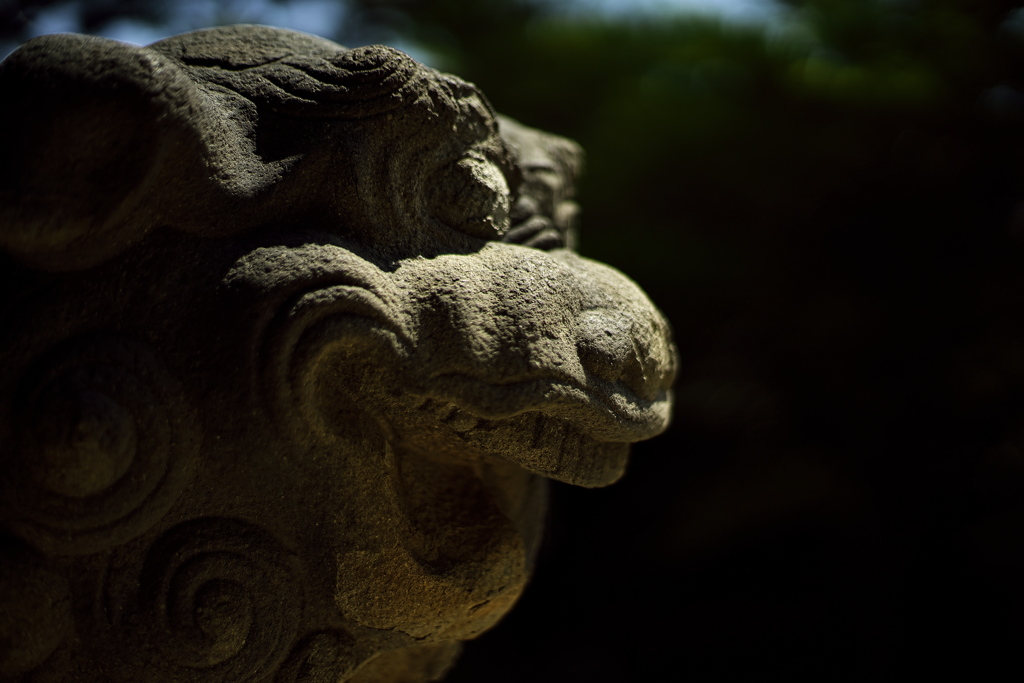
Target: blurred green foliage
[692,124]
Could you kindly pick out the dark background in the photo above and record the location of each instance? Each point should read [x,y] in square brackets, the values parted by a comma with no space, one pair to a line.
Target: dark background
[826,206]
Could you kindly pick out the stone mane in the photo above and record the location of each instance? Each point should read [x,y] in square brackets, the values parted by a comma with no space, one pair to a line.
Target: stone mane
[293,336]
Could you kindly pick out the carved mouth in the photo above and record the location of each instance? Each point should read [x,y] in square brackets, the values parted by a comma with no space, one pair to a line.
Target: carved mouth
[554,429]
[611,412]
[538,442]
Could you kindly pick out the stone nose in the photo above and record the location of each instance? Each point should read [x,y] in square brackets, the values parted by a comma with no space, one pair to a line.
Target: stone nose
[615,346]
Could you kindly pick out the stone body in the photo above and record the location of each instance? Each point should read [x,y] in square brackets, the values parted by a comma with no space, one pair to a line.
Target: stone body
[291,341]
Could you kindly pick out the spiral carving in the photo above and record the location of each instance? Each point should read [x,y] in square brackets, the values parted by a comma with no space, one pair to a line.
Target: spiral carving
[342,304]
[105,444]
[213,600]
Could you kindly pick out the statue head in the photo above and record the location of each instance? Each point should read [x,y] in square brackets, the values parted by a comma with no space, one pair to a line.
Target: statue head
[293,339]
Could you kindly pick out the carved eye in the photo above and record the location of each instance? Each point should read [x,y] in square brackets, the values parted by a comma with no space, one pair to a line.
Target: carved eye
[471,195]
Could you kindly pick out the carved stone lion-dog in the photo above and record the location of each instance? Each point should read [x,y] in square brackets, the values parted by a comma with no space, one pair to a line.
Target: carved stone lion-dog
[292,336]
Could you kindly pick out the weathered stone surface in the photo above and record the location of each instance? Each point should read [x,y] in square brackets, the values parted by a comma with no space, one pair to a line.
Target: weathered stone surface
[291,341]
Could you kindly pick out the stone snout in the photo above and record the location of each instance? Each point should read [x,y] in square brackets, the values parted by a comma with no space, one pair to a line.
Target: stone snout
[545,359]
[559,362]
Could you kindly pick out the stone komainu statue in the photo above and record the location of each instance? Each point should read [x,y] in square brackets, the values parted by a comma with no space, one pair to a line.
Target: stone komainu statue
[291,338]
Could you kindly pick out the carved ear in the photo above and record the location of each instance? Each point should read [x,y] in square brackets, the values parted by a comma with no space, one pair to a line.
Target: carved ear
[545,214]
[88,122]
